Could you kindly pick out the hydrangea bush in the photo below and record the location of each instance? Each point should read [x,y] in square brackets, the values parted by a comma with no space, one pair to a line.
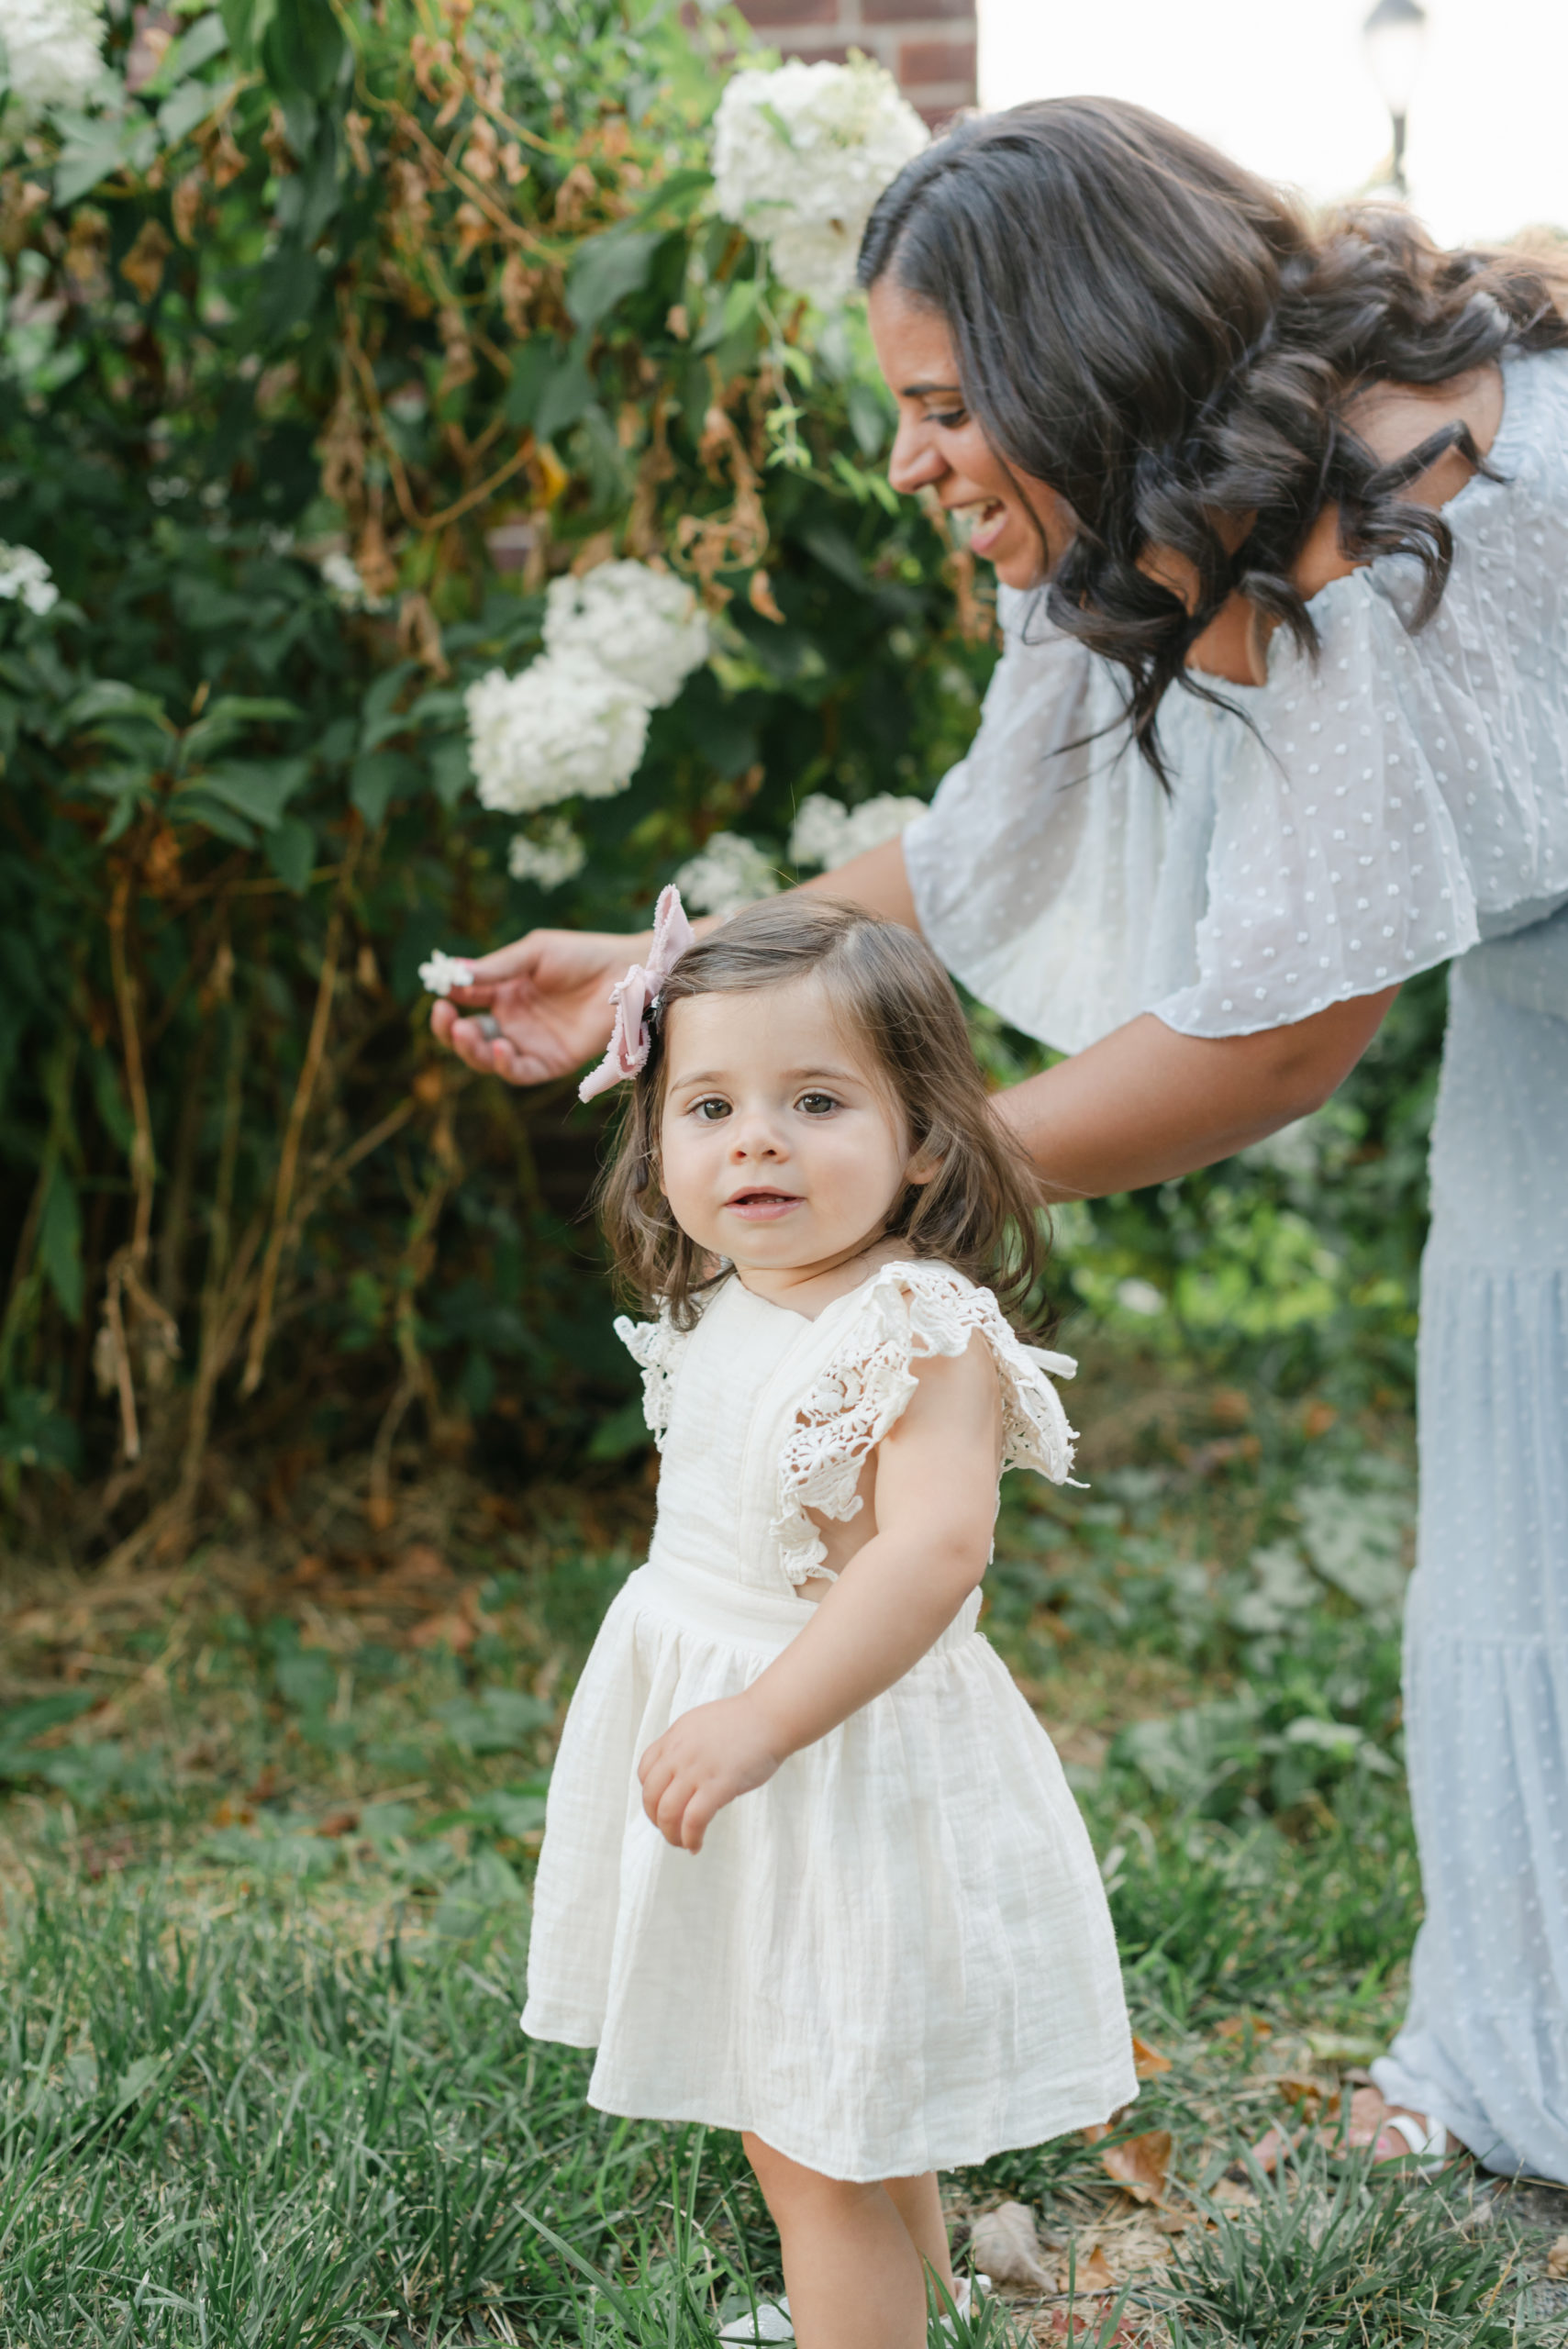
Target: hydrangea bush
[393,559]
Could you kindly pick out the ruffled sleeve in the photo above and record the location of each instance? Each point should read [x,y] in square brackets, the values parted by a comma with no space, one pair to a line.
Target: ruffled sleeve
[657,1348]
[910,1312]
[1353,820]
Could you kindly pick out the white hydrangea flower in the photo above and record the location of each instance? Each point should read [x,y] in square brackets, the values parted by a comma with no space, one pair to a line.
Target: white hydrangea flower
[444,971]
[53,52]
[730,873]
[829,834]
[25,578]
[801,154]
[341,577]
[563,728]
[549,856]
[643,625]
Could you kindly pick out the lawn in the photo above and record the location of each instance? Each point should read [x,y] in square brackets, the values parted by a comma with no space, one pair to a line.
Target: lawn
[264,1857]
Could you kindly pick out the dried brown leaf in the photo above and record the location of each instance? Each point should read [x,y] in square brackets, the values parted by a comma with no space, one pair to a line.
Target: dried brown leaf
[1006,2248]
[142,267]
[1557,2260]
[1147,2060]
[1140,2166]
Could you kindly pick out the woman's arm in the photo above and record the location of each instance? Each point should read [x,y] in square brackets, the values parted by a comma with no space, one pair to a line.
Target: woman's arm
[935,1506]
[1146,1104]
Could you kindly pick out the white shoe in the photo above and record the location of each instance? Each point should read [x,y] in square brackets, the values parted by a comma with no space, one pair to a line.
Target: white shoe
[769,2321]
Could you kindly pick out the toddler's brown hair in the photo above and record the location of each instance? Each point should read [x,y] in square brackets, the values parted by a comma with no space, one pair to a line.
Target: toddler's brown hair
[981,1212]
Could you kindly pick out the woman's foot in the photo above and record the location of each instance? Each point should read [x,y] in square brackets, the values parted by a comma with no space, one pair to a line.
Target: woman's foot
[1396,2133]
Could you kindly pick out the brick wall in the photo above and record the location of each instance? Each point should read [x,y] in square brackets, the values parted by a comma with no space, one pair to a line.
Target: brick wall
[928,45]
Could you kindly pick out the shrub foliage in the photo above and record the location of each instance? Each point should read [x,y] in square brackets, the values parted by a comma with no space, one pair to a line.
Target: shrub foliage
[438,291]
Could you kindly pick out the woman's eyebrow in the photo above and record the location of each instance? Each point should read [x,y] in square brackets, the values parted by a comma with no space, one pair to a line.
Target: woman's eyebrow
[930,391]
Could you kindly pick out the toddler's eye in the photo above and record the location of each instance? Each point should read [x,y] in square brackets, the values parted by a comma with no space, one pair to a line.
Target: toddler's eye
[711,1110]
[816,1105]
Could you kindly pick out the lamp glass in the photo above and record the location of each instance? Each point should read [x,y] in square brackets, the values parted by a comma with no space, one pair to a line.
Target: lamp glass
[1393,53]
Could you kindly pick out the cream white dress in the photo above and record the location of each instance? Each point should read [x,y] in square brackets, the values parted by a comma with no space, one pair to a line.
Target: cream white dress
[896,1955]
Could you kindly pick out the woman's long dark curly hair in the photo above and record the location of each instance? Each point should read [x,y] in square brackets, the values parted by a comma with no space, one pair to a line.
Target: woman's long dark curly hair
[1168,342]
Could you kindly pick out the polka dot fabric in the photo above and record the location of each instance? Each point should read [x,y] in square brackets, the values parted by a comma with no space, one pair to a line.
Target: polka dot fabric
[1485,2043]
[1349,823]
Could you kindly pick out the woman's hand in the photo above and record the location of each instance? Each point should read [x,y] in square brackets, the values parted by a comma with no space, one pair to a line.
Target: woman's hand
[703,1761]
[549,996]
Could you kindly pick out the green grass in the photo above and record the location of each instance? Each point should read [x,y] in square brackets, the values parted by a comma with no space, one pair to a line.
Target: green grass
[264,1869]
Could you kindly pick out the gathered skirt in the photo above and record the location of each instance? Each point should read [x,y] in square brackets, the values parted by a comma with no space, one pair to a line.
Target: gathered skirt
[895,1956]
[1485,2041]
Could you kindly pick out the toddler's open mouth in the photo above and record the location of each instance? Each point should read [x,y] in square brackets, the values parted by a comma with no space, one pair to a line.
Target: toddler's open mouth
[759,1205]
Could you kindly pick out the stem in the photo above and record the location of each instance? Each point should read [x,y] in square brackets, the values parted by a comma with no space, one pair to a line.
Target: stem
[282,1196]
[143,1164]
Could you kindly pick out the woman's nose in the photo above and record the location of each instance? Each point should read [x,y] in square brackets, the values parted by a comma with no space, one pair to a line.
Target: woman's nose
[915,460]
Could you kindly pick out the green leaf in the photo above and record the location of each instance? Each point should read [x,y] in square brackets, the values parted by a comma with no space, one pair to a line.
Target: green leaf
[207,39]
[178,115]
[230,714]
[95,146]
[307,1680]
[302,49]
[289,849]
[109,696]
[375,776]
[259,789]
[198,807]
[680,193]
[606,268]
[563,400]
[59,1244]
[450,774]
[501,1721]
[623,1433]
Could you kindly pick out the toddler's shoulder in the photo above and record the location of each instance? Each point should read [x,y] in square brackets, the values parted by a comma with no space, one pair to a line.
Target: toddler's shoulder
[917,1308]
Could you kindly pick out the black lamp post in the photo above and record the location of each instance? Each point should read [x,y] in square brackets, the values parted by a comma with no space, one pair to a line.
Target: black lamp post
[1396,34]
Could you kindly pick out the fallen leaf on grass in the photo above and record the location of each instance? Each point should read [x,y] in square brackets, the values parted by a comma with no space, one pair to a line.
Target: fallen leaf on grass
[339,1822]
[1140,2165]
[1093,2274]
[1557,2260]
[455,1631]
[1241,2026]
[1006,2248]
[1057,2325]
[1148,2062]
[1314,2099]
[1273,2147]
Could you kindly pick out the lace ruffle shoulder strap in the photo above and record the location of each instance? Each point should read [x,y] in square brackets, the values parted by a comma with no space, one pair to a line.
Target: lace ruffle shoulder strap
[908,1312]
[657,1348]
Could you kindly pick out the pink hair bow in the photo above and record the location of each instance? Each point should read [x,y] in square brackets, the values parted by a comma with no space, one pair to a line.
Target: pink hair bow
[631,1038]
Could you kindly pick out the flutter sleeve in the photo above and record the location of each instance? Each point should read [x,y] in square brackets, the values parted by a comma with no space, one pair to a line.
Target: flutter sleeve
[1049,873]
[908,1313]
[657,1348]
[1358,817]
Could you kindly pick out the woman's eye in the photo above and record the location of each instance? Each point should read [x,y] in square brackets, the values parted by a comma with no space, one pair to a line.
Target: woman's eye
[816,1105]
[952,420]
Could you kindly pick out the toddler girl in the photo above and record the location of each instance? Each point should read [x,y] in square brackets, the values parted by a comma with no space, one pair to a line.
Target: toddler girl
[810,1869]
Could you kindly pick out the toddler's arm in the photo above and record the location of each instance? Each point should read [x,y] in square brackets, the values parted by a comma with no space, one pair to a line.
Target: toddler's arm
[935,1501]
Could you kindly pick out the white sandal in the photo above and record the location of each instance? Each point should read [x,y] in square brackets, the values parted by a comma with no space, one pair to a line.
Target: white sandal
[1428,2143]
[770,2321]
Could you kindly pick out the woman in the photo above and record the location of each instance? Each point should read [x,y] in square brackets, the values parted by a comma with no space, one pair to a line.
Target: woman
[1281,519]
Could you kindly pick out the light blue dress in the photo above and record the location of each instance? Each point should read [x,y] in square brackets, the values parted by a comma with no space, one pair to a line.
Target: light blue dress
[1400,803]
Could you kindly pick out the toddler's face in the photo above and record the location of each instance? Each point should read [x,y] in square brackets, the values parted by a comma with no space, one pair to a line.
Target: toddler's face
[779,1146]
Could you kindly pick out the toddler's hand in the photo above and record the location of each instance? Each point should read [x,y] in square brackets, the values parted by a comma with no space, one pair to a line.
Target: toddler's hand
[703,1761]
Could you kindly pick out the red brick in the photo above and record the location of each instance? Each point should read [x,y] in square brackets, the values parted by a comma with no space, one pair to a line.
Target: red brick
[767,13]
[895,12]
[818,56]
[923,61]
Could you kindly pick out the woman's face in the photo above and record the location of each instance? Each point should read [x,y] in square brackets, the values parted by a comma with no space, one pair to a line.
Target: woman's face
[940,447]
